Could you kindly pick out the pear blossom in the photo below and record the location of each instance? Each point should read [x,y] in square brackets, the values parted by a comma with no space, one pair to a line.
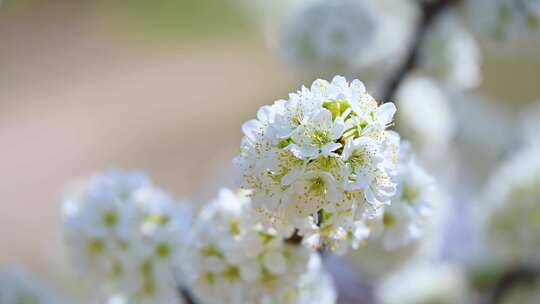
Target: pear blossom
[321,162]
[126,236]
[410,227]
[424,283]
[340,35]
[19,287]
[504,20]
[511,212]
[527,123]
[234,259]
[425,116]
[451,54]
[403,221]
[316,286]
[485,133]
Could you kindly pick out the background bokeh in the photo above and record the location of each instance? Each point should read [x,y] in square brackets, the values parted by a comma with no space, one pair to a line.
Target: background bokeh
[162,86]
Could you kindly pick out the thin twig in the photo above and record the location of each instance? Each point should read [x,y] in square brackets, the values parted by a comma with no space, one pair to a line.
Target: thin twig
[186,295]
[429,12]
[514,277]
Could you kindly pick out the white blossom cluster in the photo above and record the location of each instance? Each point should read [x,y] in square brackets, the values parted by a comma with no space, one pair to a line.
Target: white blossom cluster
[512,210]
[451,54]
[504,20]
[410,227]
[18,287]
[342,35]
[321,162]
[233,259]
[404,220]
[127,236]
[424,283]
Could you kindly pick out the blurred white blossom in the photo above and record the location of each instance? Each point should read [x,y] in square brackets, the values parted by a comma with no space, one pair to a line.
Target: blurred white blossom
[126,236]
[342,35]
[450,53]
[511,209]
[234,259]
[321,162]
[422,282]
[528,121]
[485,132]
[18,287]
[410,227]
[405,219]
[425,116]
[504,20]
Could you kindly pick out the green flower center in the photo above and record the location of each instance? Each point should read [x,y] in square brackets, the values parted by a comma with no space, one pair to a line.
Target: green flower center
[388,219]
[337,107]
[110,219]
[96,246]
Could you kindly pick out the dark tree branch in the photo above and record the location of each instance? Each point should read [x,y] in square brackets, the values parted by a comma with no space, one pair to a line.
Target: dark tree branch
[186,295]
[521,275]
[429,12]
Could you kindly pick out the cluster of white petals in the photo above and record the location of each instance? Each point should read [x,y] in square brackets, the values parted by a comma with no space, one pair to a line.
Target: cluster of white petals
[504,20]
[512,211]
[341,35]
[233,259]
[404,220]
[451,54]
[424,283]
[18,287]
[321,162]
[410,228]
[127,236]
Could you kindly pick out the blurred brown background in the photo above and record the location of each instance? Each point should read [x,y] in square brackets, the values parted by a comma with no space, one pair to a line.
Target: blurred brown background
[162,86]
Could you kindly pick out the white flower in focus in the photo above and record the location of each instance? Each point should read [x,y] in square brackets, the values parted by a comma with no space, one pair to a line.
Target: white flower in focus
[511,211]
[341,35]
[317,135]
[17,287]
[451,54]
[320,162]
[504,20]
[425,116]
[126,236]
[424,283]
[233,259]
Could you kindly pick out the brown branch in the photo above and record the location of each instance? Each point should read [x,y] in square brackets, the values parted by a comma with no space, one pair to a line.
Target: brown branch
[514,277]
[429,12]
